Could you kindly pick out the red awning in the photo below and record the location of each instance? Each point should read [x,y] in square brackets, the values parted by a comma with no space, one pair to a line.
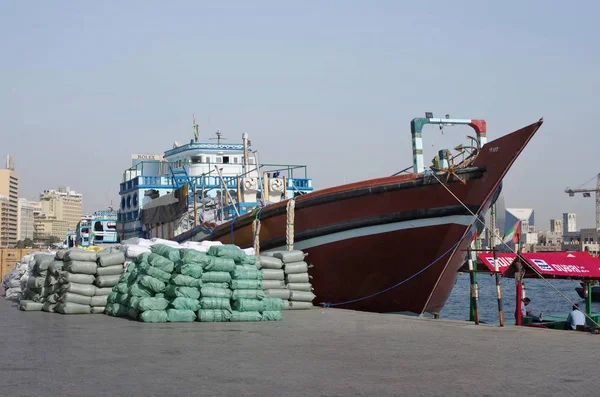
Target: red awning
[551,264]
[564,264]
[504,260]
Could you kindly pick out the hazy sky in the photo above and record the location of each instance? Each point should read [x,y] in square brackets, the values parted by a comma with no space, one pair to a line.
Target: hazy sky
[330,84]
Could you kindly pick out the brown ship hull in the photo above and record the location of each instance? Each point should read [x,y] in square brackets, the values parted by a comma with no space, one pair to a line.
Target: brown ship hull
[392,244]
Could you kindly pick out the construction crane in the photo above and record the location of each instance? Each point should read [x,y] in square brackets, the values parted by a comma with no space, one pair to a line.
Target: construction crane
[587,193]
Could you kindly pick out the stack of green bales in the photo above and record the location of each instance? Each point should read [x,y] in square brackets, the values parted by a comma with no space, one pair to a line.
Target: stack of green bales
[181,285]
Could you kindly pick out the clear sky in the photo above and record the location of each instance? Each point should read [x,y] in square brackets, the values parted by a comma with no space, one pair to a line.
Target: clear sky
[330,84]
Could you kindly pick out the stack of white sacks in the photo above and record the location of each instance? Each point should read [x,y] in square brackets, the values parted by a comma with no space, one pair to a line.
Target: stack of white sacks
[15,281]
[76,281]
[286,277]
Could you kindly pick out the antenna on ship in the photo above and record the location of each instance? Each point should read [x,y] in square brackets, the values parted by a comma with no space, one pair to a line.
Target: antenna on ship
[195,128]
[218,138]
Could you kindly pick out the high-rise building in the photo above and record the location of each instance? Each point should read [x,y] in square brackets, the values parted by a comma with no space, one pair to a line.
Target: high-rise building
[9,188]
[26,213]
[555,226]
[569,224]
[61,210]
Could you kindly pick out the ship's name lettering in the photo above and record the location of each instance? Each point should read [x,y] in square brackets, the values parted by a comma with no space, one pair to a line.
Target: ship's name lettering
[494,149]
[146,157]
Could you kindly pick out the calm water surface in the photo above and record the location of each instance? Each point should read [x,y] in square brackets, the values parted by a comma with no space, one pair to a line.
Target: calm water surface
[543,297]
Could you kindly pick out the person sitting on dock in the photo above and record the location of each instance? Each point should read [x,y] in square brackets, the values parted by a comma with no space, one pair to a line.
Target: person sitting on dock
[576,317]
[528,313]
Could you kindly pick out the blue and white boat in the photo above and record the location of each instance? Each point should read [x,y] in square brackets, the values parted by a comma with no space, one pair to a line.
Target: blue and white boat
[192,188]
[96,229]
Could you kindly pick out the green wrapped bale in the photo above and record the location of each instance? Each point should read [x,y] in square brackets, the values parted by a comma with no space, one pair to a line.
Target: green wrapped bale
[215,303]
[271,315]
[245,267]
[190,256]
[133,302]
[185,304]
[124,299]
[211,316]
[113,297]
[250,260]
[153,316]
[190,269]
[215,292]
[216,277]
[132,313]
[180,316]
[248,305]
[152,284]
[139,290]
[248,294]
[143,257]
[220,265]
[165,251]
[229,251]
[161,262]
[116,309]
[246,284]
[247,274]
[158,274]
[216,285]
[245,316]
[175,291]
[185,281]
[273,304]
[145,304]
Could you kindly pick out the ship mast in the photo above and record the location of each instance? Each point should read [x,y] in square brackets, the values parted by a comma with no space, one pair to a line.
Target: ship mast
[195,125]
[218,138]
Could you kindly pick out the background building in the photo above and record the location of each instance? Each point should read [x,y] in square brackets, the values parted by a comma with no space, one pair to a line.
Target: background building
[61,210]
[569,224]
[9,189]
[26,212]
[556,226]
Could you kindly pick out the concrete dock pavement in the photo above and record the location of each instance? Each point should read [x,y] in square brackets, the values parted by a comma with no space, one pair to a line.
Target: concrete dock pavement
[319,352]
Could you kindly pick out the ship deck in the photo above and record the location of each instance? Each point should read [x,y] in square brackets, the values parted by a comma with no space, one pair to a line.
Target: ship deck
[319,352]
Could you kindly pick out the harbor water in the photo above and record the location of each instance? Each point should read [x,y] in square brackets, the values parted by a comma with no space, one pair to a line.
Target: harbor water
[544,298]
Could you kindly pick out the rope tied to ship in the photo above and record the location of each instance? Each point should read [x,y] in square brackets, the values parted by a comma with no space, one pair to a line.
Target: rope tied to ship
[256,232]
[539,274]
[289,228]
[231,230]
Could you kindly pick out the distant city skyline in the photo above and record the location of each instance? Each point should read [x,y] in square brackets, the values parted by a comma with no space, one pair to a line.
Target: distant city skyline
[332,85]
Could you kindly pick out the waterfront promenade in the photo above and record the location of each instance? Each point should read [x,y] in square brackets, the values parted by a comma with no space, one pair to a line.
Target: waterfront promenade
[321,352]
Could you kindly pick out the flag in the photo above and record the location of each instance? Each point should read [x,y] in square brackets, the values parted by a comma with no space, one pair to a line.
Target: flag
[513,234]
[587,195]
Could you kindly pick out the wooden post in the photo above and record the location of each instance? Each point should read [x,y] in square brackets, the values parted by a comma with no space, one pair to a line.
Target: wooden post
[474,314]
[588,299]
[473,278]
[498,287]
[195,206]
[265,187]
[518,275]
[284,187]
[239,189]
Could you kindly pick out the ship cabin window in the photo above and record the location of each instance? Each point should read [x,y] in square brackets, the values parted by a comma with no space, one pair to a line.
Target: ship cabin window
[225,159]
[235,160]
[196,159]
[219,160]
